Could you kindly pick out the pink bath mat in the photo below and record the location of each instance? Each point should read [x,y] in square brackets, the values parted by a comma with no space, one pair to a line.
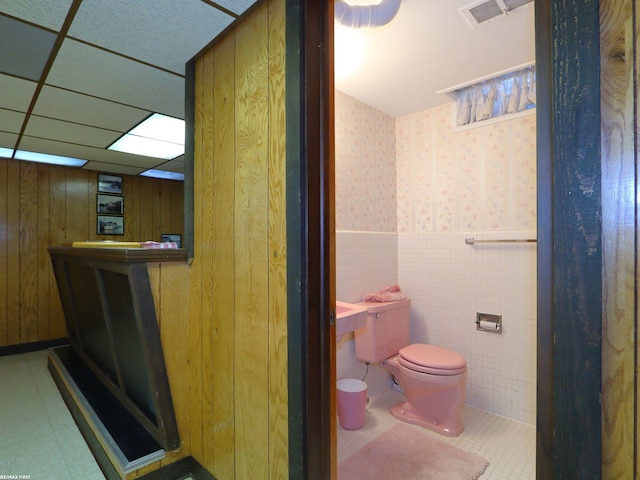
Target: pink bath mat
[406,453]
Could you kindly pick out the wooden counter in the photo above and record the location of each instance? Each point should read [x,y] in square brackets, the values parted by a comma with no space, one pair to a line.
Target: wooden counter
[123,255]
[115,355]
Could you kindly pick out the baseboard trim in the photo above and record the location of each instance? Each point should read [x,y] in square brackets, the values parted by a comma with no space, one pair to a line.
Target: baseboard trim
[32,346]
[186,468]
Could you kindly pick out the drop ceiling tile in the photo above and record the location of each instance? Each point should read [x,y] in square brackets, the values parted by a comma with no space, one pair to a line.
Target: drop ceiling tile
[24,49]
[8,140]
[236,6]
[52,129]
[160,32]
[75,107]
[47,13]
[109,168]
[89,153]
[172,166]
[11,121]
[96,72]
[21,93]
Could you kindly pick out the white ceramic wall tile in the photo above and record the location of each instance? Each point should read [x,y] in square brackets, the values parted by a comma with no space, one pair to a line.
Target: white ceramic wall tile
[448,282]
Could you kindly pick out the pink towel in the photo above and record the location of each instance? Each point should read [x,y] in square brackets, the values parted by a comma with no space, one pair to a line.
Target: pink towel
[390,293]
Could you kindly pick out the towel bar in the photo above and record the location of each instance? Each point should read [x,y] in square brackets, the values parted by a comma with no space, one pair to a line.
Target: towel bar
[473,241]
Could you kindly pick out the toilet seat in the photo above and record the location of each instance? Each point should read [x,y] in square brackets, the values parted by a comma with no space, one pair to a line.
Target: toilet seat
[430,359]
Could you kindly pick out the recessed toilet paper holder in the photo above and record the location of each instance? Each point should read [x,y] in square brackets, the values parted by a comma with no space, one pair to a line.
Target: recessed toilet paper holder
[488,322]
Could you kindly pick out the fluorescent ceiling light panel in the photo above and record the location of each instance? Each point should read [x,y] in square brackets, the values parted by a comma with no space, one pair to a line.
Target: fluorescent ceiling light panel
[6,152]
[159,136]
[161,127]
[147,147]
[163,174]
[46,158]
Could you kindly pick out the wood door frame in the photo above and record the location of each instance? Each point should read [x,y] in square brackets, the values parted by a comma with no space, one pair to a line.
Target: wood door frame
[311,281]
[569,239]
[569,253]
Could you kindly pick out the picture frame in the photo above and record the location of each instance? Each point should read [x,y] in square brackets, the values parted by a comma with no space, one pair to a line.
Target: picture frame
[110,225]
[110,204]
[109,183]
[172,237]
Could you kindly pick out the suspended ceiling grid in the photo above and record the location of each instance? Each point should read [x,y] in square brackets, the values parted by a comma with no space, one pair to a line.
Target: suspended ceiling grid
[77,74]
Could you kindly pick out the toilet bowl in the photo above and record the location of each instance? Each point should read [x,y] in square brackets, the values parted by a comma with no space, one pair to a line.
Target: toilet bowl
[433,379]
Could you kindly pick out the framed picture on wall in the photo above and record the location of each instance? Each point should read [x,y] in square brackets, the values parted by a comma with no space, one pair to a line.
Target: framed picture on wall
[108,225]
[109,183]
[110,204]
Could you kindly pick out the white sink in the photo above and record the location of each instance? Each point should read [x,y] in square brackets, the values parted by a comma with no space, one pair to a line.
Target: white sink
[349,317]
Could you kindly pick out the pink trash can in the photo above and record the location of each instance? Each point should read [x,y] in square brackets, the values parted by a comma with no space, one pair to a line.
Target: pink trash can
[352,401]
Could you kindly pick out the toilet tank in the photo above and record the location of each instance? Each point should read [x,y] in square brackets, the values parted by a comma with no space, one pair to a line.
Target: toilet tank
[386,330]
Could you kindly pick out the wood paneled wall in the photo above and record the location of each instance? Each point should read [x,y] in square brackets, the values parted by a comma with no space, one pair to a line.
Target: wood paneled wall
[238,309]
[170,287]
[42,205]
[619,86]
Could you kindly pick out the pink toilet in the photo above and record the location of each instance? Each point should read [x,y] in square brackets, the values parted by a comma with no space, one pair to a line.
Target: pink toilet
[434,379]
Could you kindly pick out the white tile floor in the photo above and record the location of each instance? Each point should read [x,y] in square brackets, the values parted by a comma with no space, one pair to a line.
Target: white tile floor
[38,438]
[509,446]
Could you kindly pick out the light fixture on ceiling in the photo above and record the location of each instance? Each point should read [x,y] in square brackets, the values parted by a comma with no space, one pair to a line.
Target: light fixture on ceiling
[350,44]
[358,16]
[41,157]
[158,136]
[163,174]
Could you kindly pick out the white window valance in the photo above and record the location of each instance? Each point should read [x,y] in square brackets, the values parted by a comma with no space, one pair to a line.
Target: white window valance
[509,93]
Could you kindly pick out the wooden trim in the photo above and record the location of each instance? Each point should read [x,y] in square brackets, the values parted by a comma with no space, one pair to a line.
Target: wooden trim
[569,240]
[308,240]
[187,467]
[544,447]
[123,255]
[32,347]
[189,149]
[619,83]
[331,150]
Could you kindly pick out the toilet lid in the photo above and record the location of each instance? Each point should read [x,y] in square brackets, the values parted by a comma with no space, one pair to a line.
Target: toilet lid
[431,359]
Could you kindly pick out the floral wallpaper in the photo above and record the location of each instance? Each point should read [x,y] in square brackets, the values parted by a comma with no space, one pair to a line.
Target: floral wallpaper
[416,174]
[483,178]
[364,167]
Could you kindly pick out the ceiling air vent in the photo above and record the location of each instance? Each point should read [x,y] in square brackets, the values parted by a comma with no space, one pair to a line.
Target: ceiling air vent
[484,11]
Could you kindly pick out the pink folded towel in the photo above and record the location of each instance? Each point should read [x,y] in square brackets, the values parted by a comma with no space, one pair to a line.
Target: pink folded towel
[390,293]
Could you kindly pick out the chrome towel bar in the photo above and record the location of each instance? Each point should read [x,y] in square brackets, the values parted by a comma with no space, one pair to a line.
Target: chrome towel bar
[473,241]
